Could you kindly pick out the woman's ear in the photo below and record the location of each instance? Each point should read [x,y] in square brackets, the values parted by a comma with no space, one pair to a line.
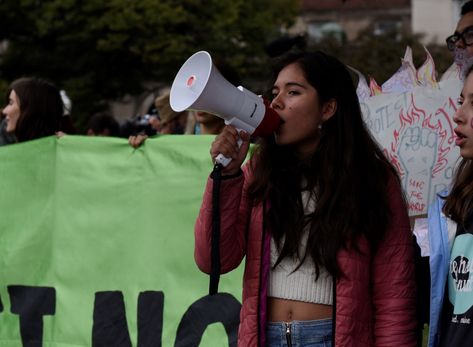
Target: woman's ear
[328,109]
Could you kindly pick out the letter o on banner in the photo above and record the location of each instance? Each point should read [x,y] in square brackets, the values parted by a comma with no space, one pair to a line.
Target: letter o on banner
[221,307]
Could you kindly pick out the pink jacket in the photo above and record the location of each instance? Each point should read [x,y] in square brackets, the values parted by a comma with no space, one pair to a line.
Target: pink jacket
[374,303]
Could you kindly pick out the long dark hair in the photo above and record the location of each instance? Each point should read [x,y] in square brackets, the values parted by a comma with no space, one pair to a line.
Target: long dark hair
[41,108]
[459,202]
[348,173]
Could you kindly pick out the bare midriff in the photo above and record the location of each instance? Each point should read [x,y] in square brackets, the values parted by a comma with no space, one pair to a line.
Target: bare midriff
[282,310]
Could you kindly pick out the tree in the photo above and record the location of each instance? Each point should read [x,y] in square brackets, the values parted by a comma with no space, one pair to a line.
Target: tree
[102,50]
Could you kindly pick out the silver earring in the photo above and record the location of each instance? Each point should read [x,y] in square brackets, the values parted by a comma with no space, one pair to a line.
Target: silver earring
[319,126]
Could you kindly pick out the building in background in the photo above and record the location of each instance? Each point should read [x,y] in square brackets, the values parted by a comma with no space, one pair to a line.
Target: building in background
[435,19]
[345,20]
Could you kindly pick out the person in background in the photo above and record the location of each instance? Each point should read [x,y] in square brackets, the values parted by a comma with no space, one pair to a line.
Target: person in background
[450,235]
[318,215]
[461,42]
[462,38]
[103,124]
[34,109]
[431,259]
[167,121]
[205,123]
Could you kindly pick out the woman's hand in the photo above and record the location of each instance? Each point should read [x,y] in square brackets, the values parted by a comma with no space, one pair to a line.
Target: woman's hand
[226,143]
[136,141]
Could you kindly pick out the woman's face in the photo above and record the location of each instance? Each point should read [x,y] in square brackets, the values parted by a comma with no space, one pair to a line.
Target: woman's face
[12,112]
[464,119]
[297,103]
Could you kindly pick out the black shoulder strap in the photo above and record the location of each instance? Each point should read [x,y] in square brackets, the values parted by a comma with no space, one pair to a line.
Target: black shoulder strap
[215,240]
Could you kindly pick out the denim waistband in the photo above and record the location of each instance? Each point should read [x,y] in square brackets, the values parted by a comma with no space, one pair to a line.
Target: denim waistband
[313,333]
[308,323]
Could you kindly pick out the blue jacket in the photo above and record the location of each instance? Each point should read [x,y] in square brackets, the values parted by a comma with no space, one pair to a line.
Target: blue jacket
[439,263]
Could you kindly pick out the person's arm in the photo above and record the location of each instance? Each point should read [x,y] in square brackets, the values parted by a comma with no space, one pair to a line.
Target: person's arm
[234,206]
[233,216]
[393,279]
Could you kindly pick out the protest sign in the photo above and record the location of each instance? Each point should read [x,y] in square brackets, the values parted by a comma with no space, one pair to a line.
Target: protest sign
[411,117]
[97,245]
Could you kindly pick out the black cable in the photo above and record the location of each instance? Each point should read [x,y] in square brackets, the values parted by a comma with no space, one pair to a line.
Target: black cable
[215,240]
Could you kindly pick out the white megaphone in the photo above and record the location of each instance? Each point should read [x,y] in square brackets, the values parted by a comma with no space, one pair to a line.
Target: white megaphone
[199,86]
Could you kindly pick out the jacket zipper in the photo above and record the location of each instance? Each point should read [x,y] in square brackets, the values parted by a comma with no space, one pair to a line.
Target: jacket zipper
[288,334]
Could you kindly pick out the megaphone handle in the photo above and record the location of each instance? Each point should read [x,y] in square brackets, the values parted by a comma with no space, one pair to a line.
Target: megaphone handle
[223,160]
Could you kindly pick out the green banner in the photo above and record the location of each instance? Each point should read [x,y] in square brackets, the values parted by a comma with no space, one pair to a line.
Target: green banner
[97,245]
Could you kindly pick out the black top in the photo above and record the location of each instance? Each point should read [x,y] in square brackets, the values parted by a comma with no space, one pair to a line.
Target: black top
[456,327]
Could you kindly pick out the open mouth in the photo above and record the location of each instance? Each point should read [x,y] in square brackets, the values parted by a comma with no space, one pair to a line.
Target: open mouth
[460,138]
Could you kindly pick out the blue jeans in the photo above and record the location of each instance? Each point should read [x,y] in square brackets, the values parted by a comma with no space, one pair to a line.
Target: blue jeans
[312,333]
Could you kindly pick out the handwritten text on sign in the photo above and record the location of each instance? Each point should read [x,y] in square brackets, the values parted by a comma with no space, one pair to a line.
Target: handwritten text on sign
[416,131]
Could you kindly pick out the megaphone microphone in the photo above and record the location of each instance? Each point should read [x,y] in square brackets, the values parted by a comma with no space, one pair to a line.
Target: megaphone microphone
[199,86]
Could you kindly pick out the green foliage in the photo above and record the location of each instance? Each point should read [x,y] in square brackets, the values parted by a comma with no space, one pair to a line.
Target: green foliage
[102,50]
[99,51]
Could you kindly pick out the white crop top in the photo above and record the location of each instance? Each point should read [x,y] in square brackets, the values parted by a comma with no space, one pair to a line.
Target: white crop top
[300,285]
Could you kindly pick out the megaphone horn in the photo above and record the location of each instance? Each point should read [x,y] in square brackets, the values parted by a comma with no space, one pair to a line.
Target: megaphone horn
[199,86]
